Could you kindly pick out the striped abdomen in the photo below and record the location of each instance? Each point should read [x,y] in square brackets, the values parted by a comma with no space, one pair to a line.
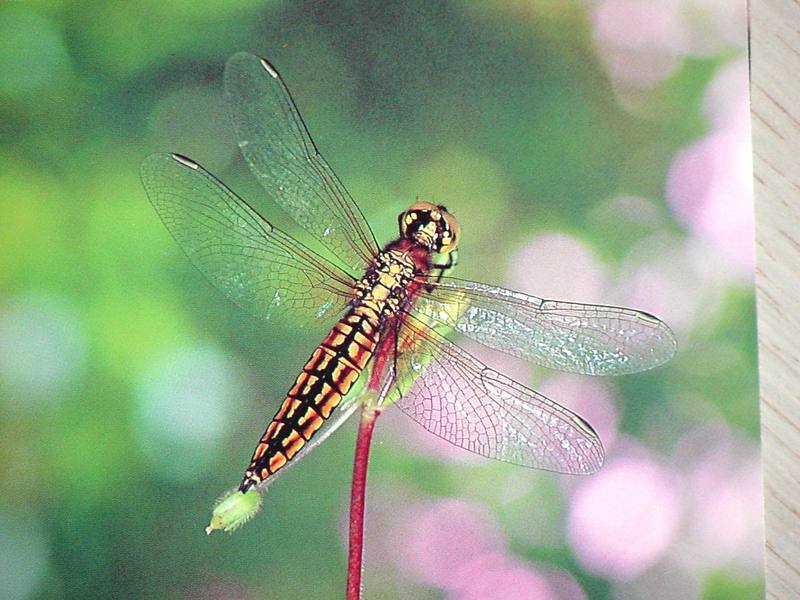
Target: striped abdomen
[327,376]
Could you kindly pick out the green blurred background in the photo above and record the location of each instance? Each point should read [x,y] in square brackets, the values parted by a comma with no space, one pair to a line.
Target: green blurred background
[132,393]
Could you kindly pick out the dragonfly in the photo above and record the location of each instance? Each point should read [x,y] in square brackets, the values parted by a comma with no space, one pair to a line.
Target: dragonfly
[392,311]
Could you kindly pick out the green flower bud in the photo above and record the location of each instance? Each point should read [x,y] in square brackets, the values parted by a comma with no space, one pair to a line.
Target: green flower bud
[233,510]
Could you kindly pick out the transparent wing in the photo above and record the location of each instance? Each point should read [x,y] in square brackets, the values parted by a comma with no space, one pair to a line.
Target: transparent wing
[257,266]
[455,396]
[590,339]
[277,146]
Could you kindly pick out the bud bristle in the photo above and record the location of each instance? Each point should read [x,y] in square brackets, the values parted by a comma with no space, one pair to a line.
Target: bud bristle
[233,510]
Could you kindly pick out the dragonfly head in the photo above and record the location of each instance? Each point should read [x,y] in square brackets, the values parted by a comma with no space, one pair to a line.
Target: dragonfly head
[431,226]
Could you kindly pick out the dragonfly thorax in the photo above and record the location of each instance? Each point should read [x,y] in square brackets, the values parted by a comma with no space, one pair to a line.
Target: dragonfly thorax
[431,226]
[385,284]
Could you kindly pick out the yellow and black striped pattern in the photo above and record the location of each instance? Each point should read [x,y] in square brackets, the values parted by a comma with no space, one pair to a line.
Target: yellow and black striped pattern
[334,366]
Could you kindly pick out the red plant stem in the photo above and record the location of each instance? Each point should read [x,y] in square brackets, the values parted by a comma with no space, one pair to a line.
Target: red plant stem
[357,493]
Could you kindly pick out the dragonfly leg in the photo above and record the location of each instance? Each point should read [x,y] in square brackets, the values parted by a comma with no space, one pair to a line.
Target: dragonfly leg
[442,268]
[394,357]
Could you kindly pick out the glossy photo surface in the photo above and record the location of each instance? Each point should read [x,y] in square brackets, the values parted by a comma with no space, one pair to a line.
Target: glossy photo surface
[531,233]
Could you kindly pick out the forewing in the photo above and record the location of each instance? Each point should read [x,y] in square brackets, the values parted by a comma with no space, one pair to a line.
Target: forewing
[277,146]
[591,339]
[257,266]
[455,396]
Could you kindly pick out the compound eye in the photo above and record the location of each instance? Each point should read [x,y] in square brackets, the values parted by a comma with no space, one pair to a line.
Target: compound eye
[407,219]
[450,233]
[447,241]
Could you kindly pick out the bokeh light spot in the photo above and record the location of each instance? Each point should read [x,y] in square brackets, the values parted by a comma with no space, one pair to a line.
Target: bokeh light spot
[23,555]
[623,519]
[185,402]
[42,347]
[559,266]
[439,535]
[501,578]
[725,524]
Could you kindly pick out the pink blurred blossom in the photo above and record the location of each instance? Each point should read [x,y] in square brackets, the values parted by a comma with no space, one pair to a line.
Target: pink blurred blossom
[439,538]
[678,279]
[386,504]
[727,101]
[623,519]
[710,183]
[457,546]
[725,520]
[505,578]
[709,188]
[642,42]
[559,266]
[563,585]
[451,544]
